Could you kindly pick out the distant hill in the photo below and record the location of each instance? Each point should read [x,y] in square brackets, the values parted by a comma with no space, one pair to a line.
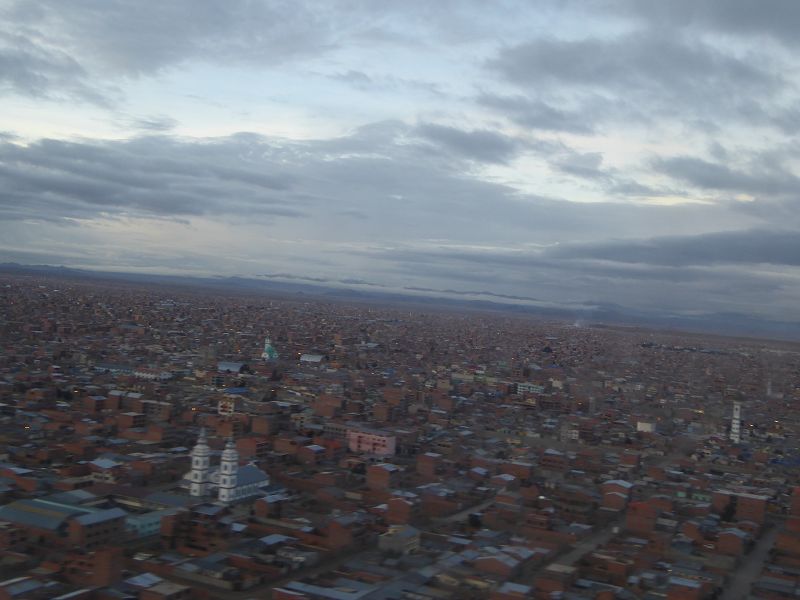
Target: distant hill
[729,324]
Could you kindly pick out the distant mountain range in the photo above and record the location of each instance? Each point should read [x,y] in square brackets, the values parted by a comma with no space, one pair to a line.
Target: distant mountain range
[729,324]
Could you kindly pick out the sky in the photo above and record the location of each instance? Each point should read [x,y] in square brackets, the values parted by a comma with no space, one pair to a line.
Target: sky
[637,153]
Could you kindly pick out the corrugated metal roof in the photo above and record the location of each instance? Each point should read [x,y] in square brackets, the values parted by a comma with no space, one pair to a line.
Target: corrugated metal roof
[34,513]
[72,497]
[145,580]
[168,499]
[250,474]
[101,516]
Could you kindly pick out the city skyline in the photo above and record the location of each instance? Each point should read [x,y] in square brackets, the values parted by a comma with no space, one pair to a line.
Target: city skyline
[563,154]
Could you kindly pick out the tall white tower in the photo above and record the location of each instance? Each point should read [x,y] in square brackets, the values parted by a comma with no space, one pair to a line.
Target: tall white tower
[200,466]
[269,352]
[736,422]
[228,472]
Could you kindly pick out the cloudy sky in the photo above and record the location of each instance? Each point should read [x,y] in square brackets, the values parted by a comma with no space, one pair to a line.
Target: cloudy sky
[569,153]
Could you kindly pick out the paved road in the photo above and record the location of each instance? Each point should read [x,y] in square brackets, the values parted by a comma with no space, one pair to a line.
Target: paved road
[738,588]
[590,544]
[463,514]
[574,554]
[264,591]
[324,567]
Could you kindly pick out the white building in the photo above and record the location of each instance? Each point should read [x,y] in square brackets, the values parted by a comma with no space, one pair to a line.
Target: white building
[199,475]
[362,440]
[646,426]
[228,471]
[226,406]
[232,482]
[736,423]
[152,374]
[269,352]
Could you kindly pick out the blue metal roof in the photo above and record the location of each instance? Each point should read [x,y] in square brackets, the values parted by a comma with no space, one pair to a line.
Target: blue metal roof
[101,516]
[251,474]
[34,513]
[236,390]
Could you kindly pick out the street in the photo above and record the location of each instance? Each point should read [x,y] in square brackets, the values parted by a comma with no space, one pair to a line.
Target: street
[739,587]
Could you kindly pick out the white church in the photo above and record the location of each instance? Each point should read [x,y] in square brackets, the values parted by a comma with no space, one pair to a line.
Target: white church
[233,483]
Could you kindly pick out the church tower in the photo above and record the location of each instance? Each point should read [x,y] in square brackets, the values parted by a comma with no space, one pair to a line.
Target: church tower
[269,352]
[736,423]
[228,472]
[198,476]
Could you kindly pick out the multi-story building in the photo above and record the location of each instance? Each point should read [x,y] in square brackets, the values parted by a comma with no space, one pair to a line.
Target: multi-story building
[371,441]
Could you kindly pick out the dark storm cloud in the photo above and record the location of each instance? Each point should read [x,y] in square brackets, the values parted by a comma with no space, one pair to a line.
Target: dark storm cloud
[385,82]
[155,123]
[426,207]
[768,180]
[357,79]
[581,279]
[643,60]
[586,165]
[652,75]
[471,293]
[743,247]
[383,184]
[626,187]
[382,181]
[480,145]
[29,68]
[123,36]
[537,114]
[72,50]
[147,176]
[409,288]
[653,259]
[244,174]
[304,278]
[778,20]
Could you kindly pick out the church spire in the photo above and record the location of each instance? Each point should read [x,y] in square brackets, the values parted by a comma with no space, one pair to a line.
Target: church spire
[199,475]
[269,352]
[228,472]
